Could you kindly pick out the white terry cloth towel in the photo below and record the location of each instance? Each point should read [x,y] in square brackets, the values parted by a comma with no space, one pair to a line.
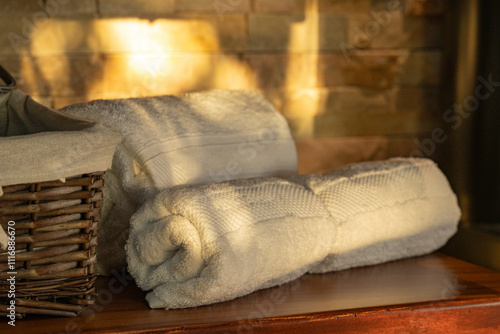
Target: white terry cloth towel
[199,245]
[386,210]
[197,138]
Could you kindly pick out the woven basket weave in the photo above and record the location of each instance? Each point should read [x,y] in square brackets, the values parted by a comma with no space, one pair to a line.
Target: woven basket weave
[56,235]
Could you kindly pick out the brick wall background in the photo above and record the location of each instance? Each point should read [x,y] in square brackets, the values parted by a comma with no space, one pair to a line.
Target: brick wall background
[356,79]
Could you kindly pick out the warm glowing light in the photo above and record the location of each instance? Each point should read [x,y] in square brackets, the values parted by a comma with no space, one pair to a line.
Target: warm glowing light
[233,74]
[304,35]
[302,107]
[159,54]
[305,103]
[142,57]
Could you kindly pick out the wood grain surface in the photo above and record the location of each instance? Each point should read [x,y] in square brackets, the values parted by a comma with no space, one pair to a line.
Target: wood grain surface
[429,294]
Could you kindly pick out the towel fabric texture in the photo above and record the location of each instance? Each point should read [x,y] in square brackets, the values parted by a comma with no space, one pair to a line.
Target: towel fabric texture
[205,244]
[40,144]
[193,139]
[385,211]
[198,245]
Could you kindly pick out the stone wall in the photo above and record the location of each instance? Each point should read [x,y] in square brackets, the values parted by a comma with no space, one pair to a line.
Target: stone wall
[356,79]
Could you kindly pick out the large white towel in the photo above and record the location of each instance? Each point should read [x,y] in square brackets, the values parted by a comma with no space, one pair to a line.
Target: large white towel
[200,245]
[197,138]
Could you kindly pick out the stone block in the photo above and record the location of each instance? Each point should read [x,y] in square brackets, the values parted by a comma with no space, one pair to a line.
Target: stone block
[421,99]
[61,36]
[221,7]
[136,8]
[348,111]
[280,6]
[344,6]
[393,30]
[43,35]
[269,32]
[295,70]
[374,68]
[330,69]
[375,124]
[271,70]
[231,72]
[232,32]
[332,32]
[137,35]
[306,107]
[157,74]
[60,75]
[34,10]
[421,68]
[17,30]
[301,106]
[275,96]
[23,7]
[401,146]
[320,155]
[71,8]
[360,101]
[424,7]
[200,33]
[348,100]
[387,5]
[298,69]
[385,68]
[296,32]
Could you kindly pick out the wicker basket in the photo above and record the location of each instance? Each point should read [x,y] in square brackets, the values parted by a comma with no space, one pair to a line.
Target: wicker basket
[56,235]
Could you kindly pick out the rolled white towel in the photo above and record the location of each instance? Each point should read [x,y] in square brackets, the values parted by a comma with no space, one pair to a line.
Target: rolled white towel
[200,245]
[386,210]
[196,138]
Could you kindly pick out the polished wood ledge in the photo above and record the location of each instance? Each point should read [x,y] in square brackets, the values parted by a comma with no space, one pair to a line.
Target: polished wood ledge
[429,294]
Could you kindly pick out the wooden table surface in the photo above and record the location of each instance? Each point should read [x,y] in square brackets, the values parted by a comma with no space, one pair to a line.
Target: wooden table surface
[429,294]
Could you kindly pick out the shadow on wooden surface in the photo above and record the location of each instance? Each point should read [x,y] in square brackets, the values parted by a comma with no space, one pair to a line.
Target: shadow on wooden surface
[434,293]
